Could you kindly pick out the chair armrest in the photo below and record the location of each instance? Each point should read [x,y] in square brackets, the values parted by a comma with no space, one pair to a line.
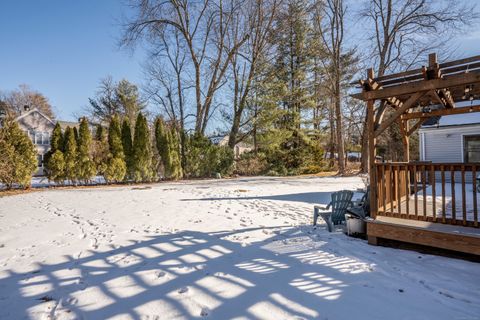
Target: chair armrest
[321,207]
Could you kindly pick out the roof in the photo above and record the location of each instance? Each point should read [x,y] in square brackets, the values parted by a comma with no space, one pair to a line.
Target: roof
[454,120]
[23,115]
[65,124]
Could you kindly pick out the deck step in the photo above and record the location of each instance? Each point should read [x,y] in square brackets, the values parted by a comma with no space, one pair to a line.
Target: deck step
[450,237]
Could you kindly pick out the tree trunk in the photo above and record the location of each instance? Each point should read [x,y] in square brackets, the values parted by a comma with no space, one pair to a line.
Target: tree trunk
[338,116]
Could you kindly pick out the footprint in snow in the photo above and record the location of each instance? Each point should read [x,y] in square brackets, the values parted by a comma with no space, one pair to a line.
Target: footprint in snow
[161,274]
[183,290]
[204,312]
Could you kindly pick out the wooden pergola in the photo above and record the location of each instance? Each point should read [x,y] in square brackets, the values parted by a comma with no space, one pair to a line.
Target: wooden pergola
[405,195]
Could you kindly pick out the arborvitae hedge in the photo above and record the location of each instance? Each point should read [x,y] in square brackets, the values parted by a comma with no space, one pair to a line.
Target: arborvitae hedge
[127,147]
[142,151]
[85,164]
[70,155]
[18,156]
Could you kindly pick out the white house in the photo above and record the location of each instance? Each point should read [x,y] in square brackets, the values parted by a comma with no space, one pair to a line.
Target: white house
[39,128]
[240,147]
[451,139]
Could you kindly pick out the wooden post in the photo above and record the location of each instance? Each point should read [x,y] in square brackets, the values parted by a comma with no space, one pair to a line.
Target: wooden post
[371,152]
[406,140]
[432,59]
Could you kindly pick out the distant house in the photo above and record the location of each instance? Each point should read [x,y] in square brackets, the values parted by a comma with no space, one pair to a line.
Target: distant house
[239,148]
[39,128]
[451,139]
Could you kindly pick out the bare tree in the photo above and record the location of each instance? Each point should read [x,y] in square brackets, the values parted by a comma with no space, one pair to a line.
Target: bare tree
[203,26]
[14,101]
[254,22]
[402,31]
[329,19]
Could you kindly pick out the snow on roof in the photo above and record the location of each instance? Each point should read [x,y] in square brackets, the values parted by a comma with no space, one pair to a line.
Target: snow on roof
[455,120]
[458,119]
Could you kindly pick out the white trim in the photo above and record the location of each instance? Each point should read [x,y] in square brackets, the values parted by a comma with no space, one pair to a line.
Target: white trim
[447,128]
[424,152]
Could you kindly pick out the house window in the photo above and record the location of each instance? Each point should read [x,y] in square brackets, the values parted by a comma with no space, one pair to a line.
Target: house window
[471,148]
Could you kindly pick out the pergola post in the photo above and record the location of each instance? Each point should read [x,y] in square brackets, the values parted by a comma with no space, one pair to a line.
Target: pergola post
[404,128]
[372,141]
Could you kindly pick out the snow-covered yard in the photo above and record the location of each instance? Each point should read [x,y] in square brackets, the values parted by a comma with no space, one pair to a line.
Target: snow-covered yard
[224,249]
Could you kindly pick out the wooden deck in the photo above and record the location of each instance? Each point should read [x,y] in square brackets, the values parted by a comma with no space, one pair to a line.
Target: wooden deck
[437,235]
[412,97]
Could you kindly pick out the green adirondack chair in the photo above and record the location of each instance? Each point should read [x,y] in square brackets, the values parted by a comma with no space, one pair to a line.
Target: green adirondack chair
[334,212]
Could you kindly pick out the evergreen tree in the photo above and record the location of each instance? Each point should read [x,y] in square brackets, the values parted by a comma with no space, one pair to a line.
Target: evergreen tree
[174,151]
[115,139]
[100,133]
[70,155]
[127,146]
[18,157]
[142,152]
[53,169]
[56,167]
[56,141]
[85,165]
[115,170]
[100,148]
[75,134]
[162,144]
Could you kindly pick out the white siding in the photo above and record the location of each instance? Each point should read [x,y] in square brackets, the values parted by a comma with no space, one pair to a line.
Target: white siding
[445,145]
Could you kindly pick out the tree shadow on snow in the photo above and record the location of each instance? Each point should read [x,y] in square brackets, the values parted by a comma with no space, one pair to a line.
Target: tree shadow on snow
[194,274]
[305,197]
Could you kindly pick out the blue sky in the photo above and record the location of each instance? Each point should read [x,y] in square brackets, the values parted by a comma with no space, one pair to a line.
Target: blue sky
[62,48]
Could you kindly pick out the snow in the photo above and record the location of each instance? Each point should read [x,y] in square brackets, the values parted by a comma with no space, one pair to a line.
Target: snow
[469,203]
[216,249]
[459,119]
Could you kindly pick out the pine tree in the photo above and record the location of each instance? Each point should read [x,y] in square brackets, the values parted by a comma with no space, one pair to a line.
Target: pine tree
[18,157]
[85,165]
[70,155]
[142,152]
[127,147]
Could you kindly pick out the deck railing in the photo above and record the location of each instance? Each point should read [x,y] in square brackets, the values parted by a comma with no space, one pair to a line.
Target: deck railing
[444,193]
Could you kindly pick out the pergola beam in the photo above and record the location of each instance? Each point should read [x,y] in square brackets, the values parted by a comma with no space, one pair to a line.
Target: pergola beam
[442,112]
[416,126]
[424,85]
[398,112]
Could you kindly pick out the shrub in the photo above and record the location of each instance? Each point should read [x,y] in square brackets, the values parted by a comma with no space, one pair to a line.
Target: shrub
[18,161]
[205,159]
[251,164]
